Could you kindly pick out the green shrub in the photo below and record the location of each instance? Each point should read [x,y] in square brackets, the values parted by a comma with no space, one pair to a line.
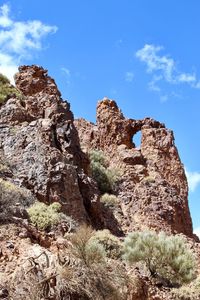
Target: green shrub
[88,274]
[109,200]
[13,200]
[166,257]
[149,179]
[111,243]
[7,89]
[99,173]
[43,216]
[98,157]
[84,248]
[105,178]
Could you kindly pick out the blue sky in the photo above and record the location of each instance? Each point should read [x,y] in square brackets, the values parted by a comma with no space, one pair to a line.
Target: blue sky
[142,53]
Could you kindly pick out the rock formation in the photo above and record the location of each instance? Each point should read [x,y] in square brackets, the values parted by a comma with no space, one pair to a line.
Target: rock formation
[153,188]
[44,157]
[39,142]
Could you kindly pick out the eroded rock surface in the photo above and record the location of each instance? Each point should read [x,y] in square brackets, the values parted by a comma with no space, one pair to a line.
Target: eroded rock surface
[153,188]
[40,144]
[41,159]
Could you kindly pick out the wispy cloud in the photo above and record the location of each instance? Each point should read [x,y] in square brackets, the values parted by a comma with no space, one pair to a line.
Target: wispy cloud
[164,67]
[197,231]
[193,180]
[129,76]
[67,73]
[118,43]
[153,86]
[18,40]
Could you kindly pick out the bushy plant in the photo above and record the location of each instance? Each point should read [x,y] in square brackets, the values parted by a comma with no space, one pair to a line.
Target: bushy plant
[166,257]
[13,200]
[6,89]
[187,292]
[68,274]
[84,248]
[88,274]
[106,178]
[98,157]
[149,179]
[43,216]
[101,281]
[109,200]
[111,243]
[99,173]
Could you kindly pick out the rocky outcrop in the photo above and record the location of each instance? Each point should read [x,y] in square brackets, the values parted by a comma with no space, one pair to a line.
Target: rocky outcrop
[43,156]
[40,144]
[153,188]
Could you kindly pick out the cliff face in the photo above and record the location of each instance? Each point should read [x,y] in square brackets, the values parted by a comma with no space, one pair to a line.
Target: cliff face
[153,188]
[44,156]
[40,144]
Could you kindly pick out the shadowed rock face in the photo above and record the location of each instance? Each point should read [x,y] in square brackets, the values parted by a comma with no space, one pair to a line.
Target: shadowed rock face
[39,141]
[153,189]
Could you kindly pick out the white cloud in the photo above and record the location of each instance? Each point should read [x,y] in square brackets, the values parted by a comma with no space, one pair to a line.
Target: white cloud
[188,78]
[67,73]
[129,76]
[18,40]
[154,62]
[164,68]
[153,84]
[193,180]
[4,18]
[198,85]
[197,231]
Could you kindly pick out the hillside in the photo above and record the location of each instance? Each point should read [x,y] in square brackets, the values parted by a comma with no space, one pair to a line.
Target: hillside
[57,173]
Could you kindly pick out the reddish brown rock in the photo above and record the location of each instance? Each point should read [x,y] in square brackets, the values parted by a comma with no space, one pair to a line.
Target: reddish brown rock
[41,144]
[153,188]
[41,157]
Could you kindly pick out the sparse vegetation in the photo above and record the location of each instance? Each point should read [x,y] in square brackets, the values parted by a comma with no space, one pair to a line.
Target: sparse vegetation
[91,275]
[166,257]
[111,243]
[43,216]
[7,89]
[109,200]
[149,179]
[105,177]
[13,199]
[86,249]
[187,292]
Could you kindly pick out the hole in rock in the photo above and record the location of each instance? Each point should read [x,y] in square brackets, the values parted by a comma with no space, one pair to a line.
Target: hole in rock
[136,139]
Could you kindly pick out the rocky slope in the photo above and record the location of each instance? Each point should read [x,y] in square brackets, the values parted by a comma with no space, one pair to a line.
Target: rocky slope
[44,157]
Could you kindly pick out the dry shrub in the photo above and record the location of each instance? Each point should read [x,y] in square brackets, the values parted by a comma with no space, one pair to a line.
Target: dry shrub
[110,242]
[89,273]
[75,273]
[84,248]
[101,281]
[13,200]
[188,292]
